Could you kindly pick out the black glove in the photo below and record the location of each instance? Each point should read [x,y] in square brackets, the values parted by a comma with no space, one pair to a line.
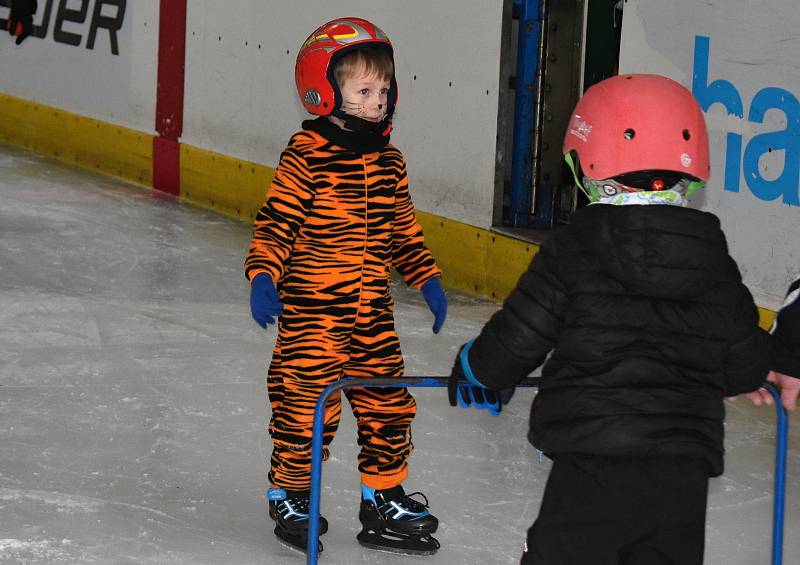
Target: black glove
[476,395]
[20,20]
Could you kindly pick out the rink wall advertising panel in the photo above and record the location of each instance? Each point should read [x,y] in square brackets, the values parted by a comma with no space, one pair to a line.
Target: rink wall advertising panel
[96,58]
[82,86]
[739,58]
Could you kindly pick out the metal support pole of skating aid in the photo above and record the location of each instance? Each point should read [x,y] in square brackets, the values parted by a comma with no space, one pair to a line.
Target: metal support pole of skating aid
[781,447]
[319,424]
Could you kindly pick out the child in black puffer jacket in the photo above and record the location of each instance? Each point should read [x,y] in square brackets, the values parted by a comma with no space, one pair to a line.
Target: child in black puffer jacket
[648,326]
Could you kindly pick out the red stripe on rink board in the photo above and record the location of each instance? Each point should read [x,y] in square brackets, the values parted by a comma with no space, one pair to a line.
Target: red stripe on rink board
[169,95]
[167,165]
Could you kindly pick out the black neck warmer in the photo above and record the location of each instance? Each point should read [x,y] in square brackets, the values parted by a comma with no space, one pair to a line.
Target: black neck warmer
[365,137]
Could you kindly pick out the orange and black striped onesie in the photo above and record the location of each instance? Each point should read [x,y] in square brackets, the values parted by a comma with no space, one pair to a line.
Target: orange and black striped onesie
[334,222]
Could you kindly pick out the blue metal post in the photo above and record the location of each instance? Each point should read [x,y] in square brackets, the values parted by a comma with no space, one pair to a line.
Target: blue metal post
[530,28]
[781,442]
[316,441]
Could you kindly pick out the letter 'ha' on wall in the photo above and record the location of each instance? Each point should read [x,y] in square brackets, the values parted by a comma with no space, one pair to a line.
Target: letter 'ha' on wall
[786,140]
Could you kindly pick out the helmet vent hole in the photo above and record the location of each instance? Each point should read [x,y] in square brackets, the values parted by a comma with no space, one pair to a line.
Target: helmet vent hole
[629,134]
[687,135]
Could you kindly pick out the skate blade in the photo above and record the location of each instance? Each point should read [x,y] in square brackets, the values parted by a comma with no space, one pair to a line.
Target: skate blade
[294,543]
[396,545]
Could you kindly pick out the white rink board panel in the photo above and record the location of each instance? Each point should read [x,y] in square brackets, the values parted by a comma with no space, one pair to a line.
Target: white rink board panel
[96,58]
[241,98]
[740,60]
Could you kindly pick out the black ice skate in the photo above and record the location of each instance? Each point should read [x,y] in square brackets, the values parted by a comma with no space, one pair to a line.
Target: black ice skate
[393,521]
[289,509]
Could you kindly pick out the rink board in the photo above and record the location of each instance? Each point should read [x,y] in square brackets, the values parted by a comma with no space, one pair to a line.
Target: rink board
[76,139]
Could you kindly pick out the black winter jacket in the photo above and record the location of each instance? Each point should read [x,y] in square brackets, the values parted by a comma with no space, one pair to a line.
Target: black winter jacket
[650,329]
[786,346]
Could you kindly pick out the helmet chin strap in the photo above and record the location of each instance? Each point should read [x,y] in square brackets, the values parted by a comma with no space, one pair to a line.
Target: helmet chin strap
[360,125]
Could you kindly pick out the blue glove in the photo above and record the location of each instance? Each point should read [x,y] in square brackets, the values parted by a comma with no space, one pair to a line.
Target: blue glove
[265,304]
[476,395]
[437,302]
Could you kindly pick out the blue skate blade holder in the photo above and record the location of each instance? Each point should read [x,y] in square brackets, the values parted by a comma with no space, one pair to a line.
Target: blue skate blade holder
[781,442]
[316,441]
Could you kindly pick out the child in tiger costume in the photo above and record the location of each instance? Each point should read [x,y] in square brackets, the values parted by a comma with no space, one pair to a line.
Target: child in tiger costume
[338,215]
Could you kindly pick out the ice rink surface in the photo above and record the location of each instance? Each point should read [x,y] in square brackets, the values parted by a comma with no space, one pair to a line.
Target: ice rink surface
[133,405]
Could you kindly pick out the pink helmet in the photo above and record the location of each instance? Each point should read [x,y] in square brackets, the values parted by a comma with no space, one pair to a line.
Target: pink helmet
[638,122]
